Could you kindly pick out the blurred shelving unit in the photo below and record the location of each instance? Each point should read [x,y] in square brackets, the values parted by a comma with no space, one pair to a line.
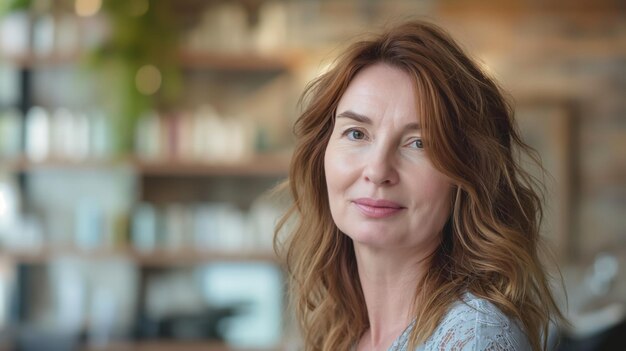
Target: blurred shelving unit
[154,262]
[162,182]
[150,263]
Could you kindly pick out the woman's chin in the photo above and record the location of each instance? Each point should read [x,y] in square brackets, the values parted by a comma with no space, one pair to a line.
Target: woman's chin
[374,239]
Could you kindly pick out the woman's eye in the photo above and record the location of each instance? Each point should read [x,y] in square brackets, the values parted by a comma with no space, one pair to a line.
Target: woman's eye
[417,143]
[354,134]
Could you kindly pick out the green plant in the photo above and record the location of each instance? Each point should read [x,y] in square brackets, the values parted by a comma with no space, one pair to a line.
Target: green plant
[140,36]
[14,5]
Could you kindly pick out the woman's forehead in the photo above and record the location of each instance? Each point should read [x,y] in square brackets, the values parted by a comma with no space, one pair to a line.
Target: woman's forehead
[381,90]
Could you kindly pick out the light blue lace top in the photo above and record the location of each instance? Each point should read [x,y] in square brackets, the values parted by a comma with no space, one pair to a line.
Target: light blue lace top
[473,324]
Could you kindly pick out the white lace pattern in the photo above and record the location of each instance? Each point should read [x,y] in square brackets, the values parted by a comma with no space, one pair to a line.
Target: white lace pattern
[473,324]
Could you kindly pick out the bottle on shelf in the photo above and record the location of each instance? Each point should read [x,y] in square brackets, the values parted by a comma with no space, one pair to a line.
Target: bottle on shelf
[10,134]
[37,141]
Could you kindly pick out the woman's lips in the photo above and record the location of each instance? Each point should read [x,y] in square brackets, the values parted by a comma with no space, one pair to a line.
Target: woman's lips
[377,208]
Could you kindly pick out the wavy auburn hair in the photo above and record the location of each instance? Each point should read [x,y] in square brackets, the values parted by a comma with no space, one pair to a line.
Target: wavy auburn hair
[491,240]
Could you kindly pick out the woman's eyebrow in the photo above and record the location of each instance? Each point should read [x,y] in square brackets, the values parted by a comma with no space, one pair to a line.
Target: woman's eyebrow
[355,116]
[413,127]
[366,120]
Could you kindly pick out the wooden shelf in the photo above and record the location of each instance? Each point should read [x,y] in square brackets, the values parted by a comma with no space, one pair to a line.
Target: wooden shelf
[254,166]
[259,165]
[33,61]
[163,345]
[236,61]
[160,345]
[24,165]
[159,258]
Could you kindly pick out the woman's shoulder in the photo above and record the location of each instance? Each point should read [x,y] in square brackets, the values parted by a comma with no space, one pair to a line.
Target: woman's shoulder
[476,324]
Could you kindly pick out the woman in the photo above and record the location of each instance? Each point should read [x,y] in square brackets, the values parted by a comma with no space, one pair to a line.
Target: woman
[416,228]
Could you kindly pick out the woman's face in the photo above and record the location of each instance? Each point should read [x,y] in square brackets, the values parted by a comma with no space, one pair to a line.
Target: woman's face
[383,190]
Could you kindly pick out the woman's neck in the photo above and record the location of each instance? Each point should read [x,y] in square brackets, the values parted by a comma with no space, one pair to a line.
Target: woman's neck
[389,281]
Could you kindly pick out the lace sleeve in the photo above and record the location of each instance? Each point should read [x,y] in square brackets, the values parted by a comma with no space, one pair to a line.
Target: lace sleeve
[477,325]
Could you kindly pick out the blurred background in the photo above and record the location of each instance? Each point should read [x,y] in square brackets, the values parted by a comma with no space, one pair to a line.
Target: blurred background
[139,139]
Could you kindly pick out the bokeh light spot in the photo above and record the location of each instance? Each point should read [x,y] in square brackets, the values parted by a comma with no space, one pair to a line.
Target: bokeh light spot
[86,8]
[148,79]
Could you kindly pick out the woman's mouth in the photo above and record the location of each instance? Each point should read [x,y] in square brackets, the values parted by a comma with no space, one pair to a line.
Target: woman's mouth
[377,208]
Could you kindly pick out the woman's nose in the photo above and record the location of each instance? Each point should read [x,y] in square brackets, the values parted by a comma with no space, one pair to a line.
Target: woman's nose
[380,167]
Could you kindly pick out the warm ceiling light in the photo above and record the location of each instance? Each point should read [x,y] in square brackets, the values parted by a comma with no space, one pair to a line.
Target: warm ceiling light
[86,8]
